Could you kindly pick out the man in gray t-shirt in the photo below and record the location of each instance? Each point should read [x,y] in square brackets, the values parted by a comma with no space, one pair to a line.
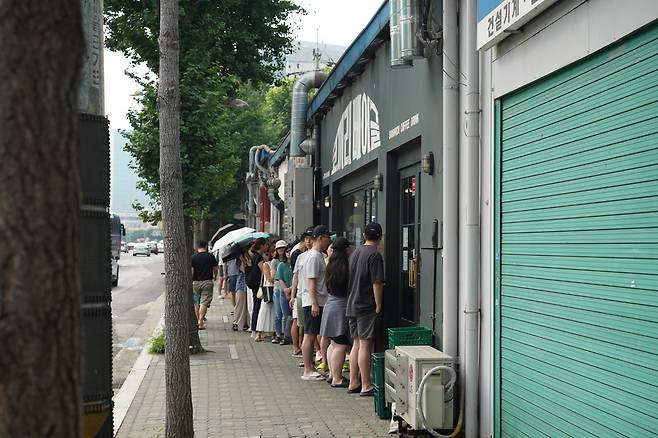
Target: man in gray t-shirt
[364,306]
[314,295]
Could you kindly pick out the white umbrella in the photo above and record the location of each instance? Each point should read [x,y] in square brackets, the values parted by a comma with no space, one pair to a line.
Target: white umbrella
[222,245]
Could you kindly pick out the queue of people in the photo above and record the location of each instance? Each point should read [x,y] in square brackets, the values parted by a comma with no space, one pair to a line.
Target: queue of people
[316,296]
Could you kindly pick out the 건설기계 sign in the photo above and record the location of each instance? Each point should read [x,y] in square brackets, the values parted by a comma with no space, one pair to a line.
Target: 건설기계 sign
[498,18]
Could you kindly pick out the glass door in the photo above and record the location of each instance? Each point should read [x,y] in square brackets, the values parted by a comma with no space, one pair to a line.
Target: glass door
[409,244]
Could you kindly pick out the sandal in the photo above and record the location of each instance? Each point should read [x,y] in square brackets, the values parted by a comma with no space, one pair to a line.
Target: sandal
[355,390]
[368,393]
[344,383]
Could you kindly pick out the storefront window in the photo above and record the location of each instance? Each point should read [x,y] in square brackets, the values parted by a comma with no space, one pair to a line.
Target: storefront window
[358,209]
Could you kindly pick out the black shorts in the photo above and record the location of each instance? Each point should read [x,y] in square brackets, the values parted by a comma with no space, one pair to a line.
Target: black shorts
[312,323]
[342,340]
[364,326]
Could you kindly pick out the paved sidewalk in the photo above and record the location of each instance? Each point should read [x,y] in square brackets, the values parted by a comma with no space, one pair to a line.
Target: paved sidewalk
[249,389]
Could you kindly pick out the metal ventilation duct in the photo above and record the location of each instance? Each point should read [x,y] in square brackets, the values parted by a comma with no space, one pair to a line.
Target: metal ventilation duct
[304,84]
[396,58]
[411,18]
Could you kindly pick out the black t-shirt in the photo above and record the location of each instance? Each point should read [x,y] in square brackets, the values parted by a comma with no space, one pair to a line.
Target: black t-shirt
[366,268]
[293,258]
[255,275]
[203,262]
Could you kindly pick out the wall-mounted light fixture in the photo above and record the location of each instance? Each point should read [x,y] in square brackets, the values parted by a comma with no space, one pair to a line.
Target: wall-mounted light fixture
[427,163]
[378,183]
[327,202]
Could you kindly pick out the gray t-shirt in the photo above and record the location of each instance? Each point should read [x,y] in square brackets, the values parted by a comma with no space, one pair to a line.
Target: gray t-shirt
[366,268]
[314,267]
[233,267]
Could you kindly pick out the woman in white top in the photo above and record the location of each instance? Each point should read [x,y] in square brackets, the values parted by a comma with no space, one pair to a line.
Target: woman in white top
[265,323]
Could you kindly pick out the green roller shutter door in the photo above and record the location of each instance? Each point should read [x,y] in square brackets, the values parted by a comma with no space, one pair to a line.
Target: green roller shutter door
[577,234]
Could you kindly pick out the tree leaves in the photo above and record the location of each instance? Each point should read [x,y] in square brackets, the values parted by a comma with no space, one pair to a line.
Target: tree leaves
[227,49]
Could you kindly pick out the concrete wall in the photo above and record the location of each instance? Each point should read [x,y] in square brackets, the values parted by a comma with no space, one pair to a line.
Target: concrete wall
[566,32]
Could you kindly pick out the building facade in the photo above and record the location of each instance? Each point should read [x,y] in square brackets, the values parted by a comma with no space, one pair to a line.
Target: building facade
[567,181]
[569,268]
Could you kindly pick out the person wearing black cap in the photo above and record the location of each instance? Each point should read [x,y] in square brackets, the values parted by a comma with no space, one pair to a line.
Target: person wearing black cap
[334,323]
[364,306]
[314,296]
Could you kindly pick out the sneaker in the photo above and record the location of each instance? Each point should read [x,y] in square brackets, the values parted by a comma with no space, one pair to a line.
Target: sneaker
[318,357]
[284,342]
[323,367]
[275,340]
[312,376]
[346,367]
[297,354]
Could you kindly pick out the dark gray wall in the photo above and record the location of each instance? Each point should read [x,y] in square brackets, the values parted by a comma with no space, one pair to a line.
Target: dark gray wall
[398,96]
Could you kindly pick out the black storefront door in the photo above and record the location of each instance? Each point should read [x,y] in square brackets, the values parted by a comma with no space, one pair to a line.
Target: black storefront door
[409,200]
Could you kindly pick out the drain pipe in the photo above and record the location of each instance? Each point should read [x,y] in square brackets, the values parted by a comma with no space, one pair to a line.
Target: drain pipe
[249,180]
[469,208]
[450,180]
[304,84]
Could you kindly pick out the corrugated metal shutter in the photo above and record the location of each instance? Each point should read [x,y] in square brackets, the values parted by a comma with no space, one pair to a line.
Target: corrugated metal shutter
[577,330]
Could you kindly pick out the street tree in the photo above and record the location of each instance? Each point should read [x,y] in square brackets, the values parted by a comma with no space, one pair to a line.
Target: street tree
[40,345]
[178,421]
[223,46]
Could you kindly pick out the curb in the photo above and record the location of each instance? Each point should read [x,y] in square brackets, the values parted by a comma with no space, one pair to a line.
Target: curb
[124,398]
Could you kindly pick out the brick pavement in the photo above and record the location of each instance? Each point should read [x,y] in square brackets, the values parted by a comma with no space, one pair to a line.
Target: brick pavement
[249,389]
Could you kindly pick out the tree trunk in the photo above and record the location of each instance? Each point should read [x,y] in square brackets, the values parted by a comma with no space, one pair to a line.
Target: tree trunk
[177,273]
[41,53]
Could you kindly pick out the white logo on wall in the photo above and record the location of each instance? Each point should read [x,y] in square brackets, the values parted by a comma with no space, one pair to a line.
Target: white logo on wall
[357,133]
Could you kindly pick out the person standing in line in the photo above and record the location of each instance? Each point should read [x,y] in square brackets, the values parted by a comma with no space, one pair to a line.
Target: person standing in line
[334,322]
[240,313]
[296,263]
[279,296]
[204,273]
[255,277]
[314,297]
[232,269]
[283,278]
[265,322]
[364,307]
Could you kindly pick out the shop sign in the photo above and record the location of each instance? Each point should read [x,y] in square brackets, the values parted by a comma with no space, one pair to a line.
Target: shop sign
[405,125]
[357,133]
[498,18]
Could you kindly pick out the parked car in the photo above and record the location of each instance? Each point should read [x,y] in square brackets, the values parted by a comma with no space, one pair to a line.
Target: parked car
[141,249]
[153,247]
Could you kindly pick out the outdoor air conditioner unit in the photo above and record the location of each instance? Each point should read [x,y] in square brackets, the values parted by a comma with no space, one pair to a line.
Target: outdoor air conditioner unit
[409,366]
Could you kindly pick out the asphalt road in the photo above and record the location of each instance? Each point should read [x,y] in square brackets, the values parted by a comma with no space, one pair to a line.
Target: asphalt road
[137,306]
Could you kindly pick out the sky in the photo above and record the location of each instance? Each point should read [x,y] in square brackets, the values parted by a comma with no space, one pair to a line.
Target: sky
[327,20]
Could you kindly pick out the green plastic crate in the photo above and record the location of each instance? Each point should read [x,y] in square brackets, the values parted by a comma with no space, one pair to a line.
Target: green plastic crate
[378,369]
[409,336]
[382,408]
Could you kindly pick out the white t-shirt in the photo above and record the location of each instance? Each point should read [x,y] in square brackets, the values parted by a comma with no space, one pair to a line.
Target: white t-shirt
[314,267]
[299,270]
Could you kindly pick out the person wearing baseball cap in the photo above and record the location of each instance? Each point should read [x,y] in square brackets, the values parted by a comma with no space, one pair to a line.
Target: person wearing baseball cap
[364,307]
[314,296]
[298,279]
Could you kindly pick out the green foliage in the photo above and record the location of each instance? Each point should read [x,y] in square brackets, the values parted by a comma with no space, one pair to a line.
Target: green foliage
[157,343]
[276,109]
[228,49]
